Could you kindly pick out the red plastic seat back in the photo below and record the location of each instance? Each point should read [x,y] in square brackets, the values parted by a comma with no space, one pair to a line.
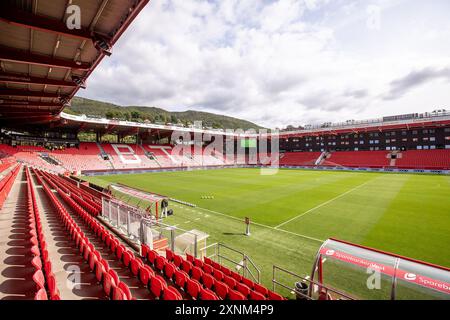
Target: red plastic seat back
[160,263]
[193,288]
[157,285]
[169,255]
[171,293]
[126,290]
[230,282]
[236,295]
[169,270]
[249,283]
[256,296]
[181,278]
[39,280]
[136,264]
[186,266]
[206,294]
[197,273]
[208,280]
[127,257]
[263,290]
[41,295]
[242,288]
[275,296]
[152,254]
[221,289]
[218,275]
[145,274]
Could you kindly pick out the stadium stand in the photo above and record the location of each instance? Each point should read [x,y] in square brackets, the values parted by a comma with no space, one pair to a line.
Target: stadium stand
[424,159]
[367,159]
[85,157]
[299,158]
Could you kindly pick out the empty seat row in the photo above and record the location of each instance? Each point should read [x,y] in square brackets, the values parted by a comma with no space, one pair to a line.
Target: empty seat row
[201,281]
[112,286]
[43,277]
[6,184]
[156,284]
[176,276]
[247,287]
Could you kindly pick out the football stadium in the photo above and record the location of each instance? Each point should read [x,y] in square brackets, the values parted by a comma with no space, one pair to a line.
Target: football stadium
[109,208]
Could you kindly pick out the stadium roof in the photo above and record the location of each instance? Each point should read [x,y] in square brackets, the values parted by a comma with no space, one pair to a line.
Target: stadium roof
[43,63]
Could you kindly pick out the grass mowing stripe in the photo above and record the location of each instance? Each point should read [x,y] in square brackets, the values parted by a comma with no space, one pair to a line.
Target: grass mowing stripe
[324,204]
[262,225]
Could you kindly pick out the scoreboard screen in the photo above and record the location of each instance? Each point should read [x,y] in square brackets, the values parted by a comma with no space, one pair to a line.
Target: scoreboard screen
[248,143]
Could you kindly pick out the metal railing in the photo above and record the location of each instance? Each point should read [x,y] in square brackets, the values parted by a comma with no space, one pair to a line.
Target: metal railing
[246,264]
[307,289]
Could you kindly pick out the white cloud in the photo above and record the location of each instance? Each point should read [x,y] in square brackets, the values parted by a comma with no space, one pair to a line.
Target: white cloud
[278,62]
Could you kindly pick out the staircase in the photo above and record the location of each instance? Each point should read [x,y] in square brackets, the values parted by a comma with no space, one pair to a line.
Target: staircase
[150,156]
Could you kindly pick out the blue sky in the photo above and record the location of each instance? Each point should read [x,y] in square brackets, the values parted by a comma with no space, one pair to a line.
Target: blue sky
[283,62]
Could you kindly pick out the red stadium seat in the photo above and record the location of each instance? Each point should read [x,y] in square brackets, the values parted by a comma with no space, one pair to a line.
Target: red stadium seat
[181,278]
[186,266]
[39,280]
[236,295]
[221,289]
[157,285]
[144,251]
[206,294]
[197,273]
[208,280]
[256,296]
[230,282]
[152,254]
[145,274]
[189,258]
[41,295]
[249,283]
[136,264]
[193,288]
[177,260]
[169,255]
[125,290]
[169,270]
[242,288]
[218,275]
[263,290]
[198,263]
[208,268]
[160,263]
[118,294]
[170,293]
[274,296]
[108,283]
[120,250]
[127,257]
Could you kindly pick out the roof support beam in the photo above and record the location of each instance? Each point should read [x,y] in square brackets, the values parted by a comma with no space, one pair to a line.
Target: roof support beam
[28,93]
[27,104]
[25,19]
[12,55]
[17,78]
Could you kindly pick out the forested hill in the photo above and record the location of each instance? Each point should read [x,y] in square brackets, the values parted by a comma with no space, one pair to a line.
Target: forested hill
[140,114]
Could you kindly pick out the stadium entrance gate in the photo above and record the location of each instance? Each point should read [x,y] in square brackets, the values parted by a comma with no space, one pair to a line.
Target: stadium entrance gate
[343,270]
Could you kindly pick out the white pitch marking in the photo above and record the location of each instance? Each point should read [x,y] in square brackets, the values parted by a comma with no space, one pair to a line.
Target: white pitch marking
[263,225]
[323,204]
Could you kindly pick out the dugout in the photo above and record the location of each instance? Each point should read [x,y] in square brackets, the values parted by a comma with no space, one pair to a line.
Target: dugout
[366,273]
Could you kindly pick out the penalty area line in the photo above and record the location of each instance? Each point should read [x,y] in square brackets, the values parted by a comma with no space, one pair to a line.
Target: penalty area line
[264,225]
[323,204]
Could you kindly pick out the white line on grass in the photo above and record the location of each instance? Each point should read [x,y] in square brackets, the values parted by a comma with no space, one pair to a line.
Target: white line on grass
[323,204]
[263,225]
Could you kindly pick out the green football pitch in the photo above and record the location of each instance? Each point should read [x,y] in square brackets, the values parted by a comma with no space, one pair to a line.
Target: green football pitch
[294,211]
